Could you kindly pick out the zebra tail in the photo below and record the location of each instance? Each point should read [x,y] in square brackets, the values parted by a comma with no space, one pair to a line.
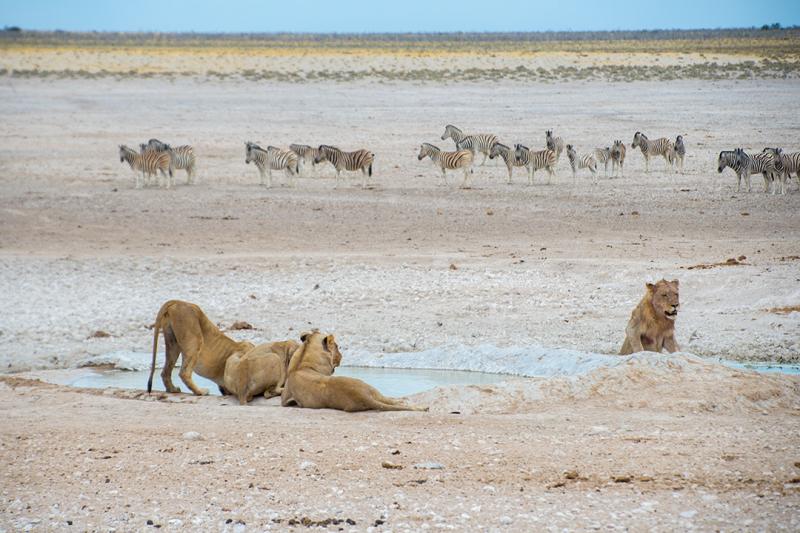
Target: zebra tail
[370,170]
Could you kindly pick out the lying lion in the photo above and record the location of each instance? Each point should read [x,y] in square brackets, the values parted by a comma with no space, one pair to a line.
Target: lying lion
[652,323]
[262,370]
[310,382]
[188,331]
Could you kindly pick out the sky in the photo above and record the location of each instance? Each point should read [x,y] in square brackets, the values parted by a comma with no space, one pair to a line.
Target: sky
[358,16]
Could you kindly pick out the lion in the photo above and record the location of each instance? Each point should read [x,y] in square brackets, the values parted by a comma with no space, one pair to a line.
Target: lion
[652,323]
[310,382]
[262,370]
[205,349]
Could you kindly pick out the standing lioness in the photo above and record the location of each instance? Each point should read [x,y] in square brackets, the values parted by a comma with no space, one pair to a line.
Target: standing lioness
[310,383]
[188,331]
[652,323]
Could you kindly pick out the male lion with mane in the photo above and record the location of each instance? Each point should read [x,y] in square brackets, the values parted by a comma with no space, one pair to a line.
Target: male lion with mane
[205,349]
[652,323]
[310,382]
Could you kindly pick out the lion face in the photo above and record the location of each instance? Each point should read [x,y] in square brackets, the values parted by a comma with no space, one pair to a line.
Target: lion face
[664,297]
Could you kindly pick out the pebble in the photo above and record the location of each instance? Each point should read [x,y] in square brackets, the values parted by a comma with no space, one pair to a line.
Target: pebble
[429,465]
[688,514]
[192,435]
[306,465]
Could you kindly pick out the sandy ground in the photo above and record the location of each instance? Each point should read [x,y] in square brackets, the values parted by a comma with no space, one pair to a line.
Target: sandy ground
[557,265]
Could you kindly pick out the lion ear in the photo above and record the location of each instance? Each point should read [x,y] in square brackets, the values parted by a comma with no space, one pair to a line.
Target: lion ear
[304,336]
[328,342]
[675,282]
[650,286]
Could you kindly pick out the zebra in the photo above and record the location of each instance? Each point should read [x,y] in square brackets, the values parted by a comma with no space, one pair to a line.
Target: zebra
[157,145]
[738,161]
[780,174]
[480,142]
[149,163]
[508,155]
[768,166]
[448,160]
[662,147]
[603,155]
[790,163]
[358,160]
[535,160]
[182,157]
[618,157]
[553,143]
[305,153]
[271,159]
[679,153]
[586,161]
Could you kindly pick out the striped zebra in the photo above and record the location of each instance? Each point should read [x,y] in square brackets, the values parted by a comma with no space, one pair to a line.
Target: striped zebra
[305,154]
[479,142]
[662,147]
[553,143]
[585,161]
[603,155]
[448,160]
[535,160]
[769,167]
[148,163]
[790,163]
[618,157]
[738,161]
[182,157]
[779,176]
[508,155]
[271,159]
[679,153]
[359,160]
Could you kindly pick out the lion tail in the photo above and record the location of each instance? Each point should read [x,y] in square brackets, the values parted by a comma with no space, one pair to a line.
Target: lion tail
[156,328]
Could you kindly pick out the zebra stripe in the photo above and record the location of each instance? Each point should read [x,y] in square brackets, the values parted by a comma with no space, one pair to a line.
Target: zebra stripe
[271,159]
[448,160]
[618,157]
[182,157]
[305,153]
[359,160]
[662,147]
[508,155]
[479,142]
[603,155]
[536,160]
[585,161]
[554,143]
[738,161]
[791,163]
[679,152]
[775,172]
[148,163]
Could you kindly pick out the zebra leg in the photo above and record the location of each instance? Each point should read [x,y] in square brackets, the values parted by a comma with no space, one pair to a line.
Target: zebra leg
[338,173]
[444,176]
[594,175]
[466,177]
[510,170]
[484,158]
[530,175]
[738,181]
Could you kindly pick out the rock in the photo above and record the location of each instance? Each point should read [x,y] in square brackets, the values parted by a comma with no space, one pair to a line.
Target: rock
[99,334]
[240,324]
[429,465]
[453,266]
[192,435]
[391,466]
[307,465]
[622,479]
[571,474]
[688,514]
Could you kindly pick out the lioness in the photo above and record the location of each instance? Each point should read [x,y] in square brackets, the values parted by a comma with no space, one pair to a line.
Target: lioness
[261,370]
[310,383]
[652,323]
[188,331]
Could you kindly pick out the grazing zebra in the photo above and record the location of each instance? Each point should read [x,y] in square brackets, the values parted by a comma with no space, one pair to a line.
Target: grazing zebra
[305,154]
[358,160]
[618,157]
[448,160]
[271,159]
[148,163]
[662,147]
[508,155]
[155,144]
[738,161]
[480,142]
[780,173]
[679,153]
[603,155]
[554,143]
[535,160]
[586,161]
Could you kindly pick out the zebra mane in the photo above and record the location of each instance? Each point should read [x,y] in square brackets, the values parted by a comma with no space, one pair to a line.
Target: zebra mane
[328,147]
[518,146]
[642,135]
[502,146]
[251,144]
[429,145]
[451,127]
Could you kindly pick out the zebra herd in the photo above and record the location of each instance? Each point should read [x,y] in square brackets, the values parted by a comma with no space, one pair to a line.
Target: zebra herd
[775,166]
[158,159]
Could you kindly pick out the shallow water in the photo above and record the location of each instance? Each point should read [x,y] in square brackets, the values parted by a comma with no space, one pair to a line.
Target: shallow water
[390,381]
